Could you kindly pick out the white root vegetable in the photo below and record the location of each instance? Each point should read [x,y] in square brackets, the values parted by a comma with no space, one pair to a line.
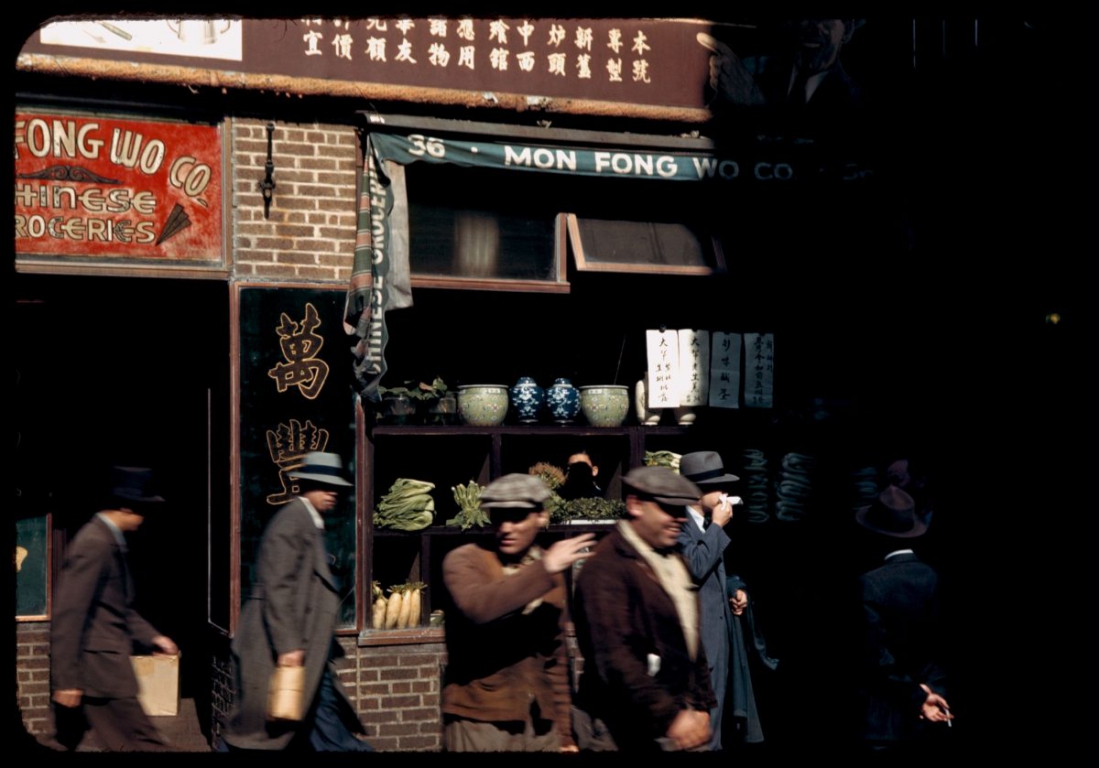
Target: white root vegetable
[406,607]
[413,599]
[393,607]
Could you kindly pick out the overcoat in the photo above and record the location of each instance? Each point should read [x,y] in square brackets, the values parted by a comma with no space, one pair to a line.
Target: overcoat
[638,673]
[704,552]
[293,606]
[95,626]
[900,610]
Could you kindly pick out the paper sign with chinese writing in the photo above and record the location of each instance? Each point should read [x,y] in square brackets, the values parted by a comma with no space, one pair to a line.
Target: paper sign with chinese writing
[759,368]
[694,358]
[725,370]
[663,384]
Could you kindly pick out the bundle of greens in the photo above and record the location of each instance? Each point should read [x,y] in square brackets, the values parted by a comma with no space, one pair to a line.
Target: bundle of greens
[593,508]
[662,459]
[407,507]
[468,499]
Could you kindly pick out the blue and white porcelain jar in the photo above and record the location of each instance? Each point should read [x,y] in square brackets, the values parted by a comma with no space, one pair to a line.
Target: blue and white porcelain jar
[527,398]
[564,401]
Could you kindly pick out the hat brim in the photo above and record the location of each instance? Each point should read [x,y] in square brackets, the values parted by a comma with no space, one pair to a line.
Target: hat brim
[919,526]
[723,480]
[322,479]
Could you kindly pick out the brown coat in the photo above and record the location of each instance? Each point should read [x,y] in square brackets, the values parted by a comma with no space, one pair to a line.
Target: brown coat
[623,616]
[500,659]
[95,626]
[293,605]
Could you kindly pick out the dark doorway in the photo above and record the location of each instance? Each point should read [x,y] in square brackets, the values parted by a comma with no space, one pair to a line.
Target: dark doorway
[132,372]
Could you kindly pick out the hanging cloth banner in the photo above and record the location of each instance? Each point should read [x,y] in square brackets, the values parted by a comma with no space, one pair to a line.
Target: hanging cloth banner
[380,276]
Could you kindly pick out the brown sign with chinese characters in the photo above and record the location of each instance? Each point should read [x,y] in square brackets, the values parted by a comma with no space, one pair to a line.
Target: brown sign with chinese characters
[94,187]
[635,61]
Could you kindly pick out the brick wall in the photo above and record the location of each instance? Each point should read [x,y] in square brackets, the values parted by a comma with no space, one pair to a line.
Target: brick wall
[394,689]
[310,233]
[32,674]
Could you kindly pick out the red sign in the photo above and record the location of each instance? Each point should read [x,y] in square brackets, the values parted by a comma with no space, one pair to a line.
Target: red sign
[92,186]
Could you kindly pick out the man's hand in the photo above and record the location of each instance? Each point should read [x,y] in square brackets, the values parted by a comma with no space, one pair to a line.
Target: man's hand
[728,76]
[292,658]
[165,645]
[566,552]
[69,697]
[723,512]
[690,729]
[934,707]
[739,602]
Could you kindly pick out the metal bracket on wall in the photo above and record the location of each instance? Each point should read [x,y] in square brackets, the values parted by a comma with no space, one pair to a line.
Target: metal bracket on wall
[267,186]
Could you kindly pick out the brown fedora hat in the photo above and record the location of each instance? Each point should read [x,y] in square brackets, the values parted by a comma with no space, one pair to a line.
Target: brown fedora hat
[893,513]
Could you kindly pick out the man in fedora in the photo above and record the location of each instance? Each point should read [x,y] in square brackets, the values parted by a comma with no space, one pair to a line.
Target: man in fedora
[901,682]
[703,542]
[289,621]
[95,627]
[507,675]
[646,684]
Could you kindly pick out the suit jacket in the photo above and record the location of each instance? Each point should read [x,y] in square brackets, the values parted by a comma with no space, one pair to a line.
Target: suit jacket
[704,552]
[900,647]
[292,606]
[502,657]
[623,616]
[94,625]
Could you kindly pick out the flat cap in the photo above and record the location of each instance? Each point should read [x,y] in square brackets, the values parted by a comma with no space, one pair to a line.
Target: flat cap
[664,485]
[515,491]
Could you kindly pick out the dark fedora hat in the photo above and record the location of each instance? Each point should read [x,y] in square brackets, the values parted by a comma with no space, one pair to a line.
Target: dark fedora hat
[132,487]
[893,513]
[705,468]
[320,467]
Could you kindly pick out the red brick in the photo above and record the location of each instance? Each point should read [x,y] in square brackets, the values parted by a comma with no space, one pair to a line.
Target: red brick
[272,270]
[419,742]
[430,699]
[401,687]
[39,662]
[289,134]
[317,190]
[296,258]
[249,145]
[398,674]
[32,688]
[291,148]
[421,714]
[327,151]
[364,674]
[316,137]
[398,729]
[368,704]
[381,715]
[388,744]
[398,702]
[274,243]
[374,689]
[335,233]
[288,175]
[423,686]
[289,202]
[316,163]
[432,726]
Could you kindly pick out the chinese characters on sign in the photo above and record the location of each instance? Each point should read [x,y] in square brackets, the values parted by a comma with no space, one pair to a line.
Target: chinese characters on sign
[290,441]
[614,51]
[725,370]
[694,357]
[92,186]
[663,384]
[759,368]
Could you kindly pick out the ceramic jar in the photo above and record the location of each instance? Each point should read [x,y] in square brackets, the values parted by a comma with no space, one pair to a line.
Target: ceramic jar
[605,405]
[483,405]
[527,398]
[563,400]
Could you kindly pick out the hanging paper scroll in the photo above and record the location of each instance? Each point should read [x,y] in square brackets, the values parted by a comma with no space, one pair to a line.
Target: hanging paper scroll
[759,364]
[694,357]
[663,385]
[725,370]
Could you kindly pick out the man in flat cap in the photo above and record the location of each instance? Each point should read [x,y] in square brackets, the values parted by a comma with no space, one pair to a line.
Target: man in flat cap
[646,683]
[901,684]
[507,678]
[95,626]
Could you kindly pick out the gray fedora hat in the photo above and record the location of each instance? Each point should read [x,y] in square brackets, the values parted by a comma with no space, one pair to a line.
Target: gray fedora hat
[705,468]
[664,485]
[515,491]
[320,467]
[893,513]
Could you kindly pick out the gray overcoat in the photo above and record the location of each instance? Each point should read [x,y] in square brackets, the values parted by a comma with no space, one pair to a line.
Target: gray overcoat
[292,606]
